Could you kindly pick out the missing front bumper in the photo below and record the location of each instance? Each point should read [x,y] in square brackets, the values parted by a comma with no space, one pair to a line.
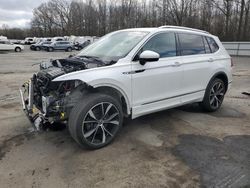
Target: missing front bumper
[34,115]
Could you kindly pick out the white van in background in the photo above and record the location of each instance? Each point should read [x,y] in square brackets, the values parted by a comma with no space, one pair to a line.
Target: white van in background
[3,38]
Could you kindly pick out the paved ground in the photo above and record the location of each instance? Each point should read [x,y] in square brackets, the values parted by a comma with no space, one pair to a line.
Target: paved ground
[182,147]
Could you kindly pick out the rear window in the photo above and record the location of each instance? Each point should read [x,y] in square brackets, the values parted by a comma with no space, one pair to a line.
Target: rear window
[191,44]
[213,45]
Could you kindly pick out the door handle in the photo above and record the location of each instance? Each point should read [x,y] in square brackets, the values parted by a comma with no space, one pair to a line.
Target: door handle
[176,64]
[210,60]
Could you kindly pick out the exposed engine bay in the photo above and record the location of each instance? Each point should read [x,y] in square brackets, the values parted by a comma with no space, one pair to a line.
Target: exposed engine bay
[46,101]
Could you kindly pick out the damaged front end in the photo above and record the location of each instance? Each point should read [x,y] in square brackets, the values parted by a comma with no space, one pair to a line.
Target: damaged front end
[45,101]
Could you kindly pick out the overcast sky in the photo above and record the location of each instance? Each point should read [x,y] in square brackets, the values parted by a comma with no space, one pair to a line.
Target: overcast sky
[17,13]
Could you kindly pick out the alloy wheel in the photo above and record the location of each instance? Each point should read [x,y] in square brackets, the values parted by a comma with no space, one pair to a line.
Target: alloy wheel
[217,95]
[101,123]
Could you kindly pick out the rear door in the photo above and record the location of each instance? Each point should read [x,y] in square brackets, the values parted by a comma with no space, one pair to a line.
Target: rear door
[196,62]
[57,45]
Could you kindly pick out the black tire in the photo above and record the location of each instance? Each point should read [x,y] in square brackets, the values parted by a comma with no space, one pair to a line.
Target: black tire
[214,95]
[38,48]
[95,133]
[69,49]
[18,49]
[50,49]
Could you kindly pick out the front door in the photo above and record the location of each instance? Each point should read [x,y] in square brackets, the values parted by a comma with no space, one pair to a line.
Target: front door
[156,85]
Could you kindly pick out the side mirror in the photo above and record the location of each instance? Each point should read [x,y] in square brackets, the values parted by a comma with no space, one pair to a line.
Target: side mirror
[148,56]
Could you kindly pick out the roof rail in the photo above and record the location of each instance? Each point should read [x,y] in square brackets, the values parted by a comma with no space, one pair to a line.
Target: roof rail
[184,28]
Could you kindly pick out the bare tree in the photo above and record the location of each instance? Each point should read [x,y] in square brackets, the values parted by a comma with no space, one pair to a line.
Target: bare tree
[229,19]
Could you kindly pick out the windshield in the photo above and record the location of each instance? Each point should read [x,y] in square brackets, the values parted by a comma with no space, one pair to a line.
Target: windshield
[114,46]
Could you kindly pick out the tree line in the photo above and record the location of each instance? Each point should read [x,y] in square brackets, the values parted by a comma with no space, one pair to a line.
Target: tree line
[228,19]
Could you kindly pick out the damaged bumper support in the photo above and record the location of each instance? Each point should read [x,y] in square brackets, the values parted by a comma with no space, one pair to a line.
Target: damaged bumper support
[36,117]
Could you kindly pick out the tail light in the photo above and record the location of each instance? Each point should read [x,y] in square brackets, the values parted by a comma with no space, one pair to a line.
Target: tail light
[232,63]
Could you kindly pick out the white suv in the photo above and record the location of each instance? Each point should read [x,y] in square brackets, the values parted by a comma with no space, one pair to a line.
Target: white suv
[128,73]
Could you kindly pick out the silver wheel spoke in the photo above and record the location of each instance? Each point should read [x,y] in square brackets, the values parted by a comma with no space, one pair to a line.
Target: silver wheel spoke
[221,90]
[218,86]
[212,101]
[94,135]
[88,134]
[114,122]
[107,110]
[107,131]
[91,113]
[212,91]
[111,117]
[103,135]
[102,109]
[216,102]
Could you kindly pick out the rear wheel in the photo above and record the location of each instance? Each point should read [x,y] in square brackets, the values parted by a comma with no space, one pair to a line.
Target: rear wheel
[38,48]
[95,122]
[214,95]
[69,49]
[50,49]
[17,49]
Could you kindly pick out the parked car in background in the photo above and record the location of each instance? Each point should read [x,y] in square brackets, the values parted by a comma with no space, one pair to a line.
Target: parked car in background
[80,46]
[58,39]
[6,45]
[29,41]
[15,41]
[40,45]
[59,45]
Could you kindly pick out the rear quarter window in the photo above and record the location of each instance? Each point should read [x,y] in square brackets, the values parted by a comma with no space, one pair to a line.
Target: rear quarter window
[212,44]
[191,44]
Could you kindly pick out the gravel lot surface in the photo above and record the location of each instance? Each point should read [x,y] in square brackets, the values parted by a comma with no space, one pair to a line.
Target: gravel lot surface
[182,147]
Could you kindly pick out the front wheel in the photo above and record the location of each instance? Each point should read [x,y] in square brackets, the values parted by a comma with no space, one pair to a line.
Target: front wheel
[17,49]
[95,121]
[214,95]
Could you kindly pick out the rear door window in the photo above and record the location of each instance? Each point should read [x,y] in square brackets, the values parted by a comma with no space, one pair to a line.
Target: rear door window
[163,44]
[191,44]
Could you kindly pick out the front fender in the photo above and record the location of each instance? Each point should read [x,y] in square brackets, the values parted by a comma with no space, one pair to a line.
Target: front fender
[104,77]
